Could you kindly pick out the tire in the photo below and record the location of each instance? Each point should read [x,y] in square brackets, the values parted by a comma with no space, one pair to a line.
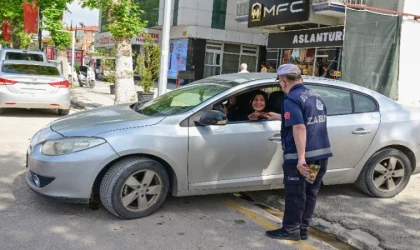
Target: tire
[91,84]
[63,111]
[390,168]
[115,187]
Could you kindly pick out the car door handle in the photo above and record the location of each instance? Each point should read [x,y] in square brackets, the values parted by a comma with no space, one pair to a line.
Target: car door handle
[361,131]
[275,138]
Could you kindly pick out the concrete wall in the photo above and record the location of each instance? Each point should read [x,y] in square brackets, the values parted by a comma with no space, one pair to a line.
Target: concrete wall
[409,83]
[195,17]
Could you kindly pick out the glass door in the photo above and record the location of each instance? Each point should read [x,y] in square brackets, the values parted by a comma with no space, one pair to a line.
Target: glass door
[213,59]
[212,64]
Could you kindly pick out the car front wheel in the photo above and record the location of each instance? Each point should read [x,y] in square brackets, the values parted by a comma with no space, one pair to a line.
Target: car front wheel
[386,174]
[134,187]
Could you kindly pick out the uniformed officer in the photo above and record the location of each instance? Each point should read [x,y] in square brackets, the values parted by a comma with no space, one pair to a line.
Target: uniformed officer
[305,141]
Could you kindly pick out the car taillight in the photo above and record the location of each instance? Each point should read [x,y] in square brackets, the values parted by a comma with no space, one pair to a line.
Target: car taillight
[7,81]
[62,84]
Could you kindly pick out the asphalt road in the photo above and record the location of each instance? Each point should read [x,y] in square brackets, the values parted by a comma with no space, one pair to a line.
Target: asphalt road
[28,221]
[356,217]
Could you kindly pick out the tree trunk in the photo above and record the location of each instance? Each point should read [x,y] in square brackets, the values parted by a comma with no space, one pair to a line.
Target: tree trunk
[62,58]
[15,30]
[124,82]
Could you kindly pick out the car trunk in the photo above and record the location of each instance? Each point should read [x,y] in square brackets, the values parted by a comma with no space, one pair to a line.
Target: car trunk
[32,84]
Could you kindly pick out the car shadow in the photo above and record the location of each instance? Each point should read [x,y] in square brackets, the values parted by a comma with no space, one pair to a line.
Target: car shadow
[28,113]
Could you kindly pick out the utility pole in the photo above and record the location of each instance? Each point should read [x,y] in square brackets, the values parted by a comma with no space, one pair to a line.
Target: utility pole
[39,28]
[73,42]
[163,75]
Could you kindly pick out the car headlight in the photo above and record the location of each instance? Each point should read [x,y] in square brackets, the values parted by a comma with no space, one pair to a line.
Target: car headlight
[70,145]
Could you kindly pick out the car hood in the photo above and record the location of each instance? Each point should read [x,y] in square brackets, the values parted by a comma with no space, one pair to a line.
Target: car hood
[102,120]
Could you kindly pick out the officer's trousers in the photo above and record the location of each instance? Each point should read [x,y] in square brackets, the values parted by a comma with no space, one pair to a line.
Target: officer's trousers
[300,198]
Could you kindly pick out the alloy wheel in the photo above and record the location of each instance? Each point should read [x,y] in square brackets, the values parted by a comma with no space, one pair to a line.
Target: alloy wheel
[141,190]
[388,174]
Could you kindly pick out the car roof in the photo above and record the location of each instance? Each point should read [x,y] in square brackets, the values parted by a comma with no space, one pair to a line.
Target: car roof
[27,62]
[23,50]
[240,78]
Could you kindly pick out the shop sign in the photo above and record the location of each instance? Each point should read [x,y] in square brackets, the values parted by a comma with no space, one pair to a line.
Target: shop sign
[312,38]
[78,57]
[269,12]
[140,38]
[105,39]
[50,53]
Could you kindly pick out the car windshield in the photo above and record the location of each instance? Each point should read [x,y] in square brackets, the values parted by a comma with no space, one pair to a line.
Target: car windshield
[24,56]
[184,99]
[27,69]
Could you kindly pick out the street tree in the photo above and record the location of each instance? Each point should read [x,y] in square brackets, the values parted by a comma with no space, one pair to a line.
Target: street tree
[52,15]
[12,10]
[124,22]
[148,63]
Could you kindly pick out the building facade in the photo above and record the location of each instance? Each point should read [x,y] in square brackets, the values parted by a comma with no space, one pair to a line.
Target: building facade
[204,37]
[85,36]
[311,34]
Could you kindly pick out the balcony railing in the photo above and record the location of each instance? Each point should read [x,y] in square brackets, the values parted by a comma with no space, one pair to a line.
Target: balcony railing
[340,2]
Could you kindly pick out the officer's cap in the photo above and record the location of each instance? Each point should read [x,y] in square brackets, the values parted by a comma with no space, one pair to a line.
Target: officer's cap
[286,69]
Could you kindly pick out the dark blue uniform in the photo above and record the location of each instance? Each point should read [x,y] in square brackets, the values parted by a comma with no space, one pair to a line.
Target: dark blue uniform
[303,106]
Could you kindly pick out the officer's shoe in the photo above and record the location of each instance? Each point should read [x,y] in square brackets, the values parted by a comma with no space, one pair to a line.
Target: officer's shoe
[281,234]
[303,235]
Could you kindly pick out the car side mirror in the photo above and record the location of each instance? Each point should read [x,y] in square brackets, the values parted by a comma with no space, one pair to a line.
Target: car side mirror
[212,117]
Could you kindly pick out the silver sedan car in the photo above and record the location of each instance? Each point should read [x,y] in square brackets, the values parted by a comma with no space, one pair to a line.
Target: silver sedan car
[133,155]
[33,85]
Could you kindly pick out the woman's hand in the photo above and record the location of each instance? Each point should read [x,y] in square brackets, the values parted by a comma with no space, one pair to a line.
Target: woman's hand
[272,116]
[223,108]
[254,116]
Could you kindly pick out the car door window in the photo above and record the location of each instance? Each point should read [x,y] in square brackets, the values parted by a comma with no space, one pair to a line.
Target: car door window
[363,104]
[338,101]
[243,103]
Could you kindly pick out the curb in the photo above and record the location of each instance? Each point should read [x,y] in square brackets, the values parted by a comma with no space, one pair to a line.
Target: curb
[356,237]
[83,105]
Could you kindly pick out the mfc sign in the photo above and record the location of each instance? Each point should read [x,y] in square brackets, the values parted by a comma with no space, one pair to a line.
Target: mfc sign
[267,12]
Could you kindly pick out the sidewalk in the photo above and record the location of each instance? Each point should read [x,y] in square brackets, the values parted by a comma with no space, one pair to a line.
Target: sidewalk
[86,98]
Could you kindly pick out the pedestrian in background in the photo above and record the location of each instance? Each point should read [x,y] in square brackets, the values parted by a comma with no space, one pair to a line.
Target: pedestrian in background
[305,141]
[243,68]
[263,68]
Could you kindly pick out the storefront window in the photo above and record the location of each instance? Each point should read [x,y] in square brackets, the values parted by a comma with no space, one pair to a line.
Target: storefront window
[327,62]
[303,58]
[322,62]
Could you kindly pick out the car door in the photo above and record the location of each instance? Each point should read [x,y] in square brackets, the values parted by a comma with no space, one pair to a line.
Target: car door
[237,154]
[353,120]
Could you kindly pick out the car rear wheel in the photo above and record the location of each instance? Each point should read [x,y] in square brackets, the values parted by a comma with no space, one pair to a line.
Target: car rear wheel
[386,174]
[63,111]
[134,187]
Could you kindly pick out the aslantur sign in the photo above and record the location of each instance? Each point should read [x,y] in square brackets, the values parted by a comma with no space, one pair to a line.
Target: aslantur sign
[269,12]
[312,38]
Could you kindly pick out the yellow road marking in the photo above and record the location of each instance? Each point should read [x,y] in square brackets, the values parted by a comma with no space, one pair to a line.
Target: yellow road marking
[267,224]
